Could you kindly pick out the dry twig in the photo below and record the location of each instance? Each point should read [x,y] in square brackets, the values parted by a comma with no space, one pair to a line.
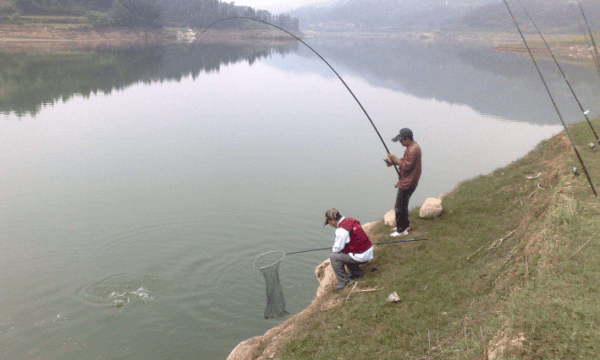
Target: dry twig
[581,247]
[498,242]
[476,251]
[536,189]
[429,338]
[355,283]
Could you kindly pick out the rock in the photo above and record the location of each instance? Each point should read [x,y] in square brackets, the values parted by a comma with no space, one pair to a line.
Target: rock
[393,297]
[367,227]
[245,349]
[389,219]
[326,277]
[432,208]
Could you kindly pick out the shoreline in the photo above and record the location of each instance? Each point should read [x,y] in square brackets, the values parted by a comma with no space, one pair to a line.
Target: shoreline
[65,38]
[61,38]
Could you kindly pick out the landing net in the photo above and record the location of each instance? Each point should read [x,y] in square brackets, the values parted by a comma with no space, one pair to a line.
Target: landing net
[268,264]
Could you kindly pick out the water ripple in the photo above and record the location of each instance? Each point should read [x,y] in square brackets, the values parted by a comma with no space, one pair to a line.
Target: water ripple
[116,290]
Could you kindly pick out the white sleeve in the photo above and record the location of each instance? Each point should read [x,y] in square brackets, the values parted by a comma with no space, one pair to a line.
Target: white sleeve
[342,237]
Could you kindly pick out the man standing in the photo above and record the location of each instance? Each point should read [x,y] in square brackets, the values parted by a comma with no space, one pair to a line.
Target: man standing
[409,168]
[351,247]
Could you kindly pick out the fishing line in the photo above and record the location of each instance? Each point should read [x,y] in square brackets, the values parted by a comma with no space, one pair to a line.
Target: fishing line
[551,98]
[584,112]
[313,50]
[380,243]
[595,52]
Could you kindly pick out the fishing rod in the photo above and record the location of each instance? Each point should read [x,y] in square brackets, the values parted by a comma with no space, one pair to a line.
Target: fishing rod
[380,243]
[551,98]
[313,50]
[561,70]
[595,52]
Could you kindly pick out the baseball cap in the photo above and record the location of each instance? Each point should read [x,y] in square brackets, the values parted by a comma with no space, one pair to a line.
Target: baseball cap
[331,214]
[405,133]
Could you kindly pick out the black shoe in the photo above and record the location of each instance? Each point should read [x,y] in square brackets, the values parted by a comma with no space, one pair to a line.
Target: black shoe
[357,275]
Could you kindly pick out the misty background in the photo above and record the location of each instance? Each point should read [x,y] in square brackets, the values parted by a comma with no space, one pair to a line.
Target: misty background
[348,15]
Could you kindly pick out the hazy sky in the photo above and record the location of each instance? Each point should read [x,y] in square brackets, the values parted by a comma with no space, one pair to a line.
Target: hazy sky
[277,6]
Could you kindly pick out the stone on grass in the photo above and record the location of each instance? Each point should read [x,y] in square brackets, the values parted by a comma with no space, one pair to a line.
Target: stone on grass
[393,297]
[389,219]
[431,209]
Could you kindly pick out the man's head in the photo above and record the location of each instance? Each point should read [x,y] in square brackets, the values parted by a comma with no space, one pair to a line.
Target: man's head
[332,216]
[404,134]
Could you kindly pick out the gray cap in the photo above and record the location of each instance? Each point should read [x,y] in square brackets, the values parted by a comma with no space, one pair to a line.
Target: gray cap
[405,133]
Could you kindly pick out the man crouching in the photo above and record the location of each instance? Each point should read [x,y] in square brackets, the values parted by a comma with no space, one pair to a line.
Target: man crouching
[351,247]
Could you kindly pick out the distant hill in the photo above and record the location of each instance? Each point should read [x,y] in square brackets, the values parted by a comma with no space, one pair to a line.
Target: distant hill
[550,15]
[444,14]
[145,13]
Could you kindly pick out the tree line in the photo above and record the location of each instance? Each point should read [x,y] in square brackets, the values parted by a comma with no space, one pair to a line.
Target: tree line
[201,13]
[153,14]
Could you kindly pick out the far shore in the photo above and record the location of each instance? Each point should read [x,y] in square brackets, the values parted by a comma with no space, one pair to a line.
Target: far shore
[65,38]
[61,38]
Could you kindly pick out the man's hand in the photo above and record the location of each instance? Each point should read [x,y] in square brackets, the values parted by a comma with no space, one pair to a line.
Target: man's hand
[393,158]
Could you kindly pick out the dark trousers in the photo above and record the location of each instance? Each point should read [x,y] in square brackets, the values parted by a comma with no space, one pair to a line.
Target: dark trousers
[338,260]
[401,208]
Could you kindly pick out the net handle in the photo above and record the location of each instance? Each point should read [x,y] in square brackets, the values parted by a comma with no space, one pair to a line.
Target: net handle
[379,243]
[268,252]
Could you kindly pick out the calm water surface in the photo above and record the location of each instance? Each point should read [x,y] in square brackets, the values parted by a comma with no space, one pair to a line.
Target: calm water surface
[139,186]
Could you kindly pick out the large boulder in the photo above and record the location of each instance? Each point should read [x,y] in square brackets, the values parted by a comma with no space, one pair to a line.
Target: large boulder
[432,208]
[389,219]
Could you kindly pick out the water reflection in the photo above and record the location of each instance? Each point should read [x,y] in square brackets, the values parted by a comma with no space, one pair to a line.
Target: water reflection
[31,81]
[501,85]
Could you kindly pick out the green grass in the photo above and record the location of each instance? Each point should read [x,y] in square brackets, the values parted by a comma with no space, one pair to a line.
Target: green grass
[471,289]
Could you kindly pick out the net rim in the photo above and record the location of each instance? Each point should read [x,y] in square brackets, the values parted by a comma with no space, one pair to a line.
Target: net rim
[268,252]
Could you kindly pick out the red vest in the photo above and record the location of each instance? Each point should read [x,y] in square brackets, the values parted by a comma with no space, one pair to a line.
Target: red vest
[359,241]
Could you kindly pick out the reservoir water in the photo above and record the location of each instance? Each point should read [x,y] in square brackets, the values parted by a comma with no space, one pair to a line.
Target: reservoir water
[138,186]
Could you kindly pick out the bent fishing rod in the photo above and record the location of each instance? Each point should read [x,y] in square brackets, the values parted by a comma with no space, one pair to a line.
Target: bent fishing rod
[551,98]
[380,243]
[584,112]
[313,50]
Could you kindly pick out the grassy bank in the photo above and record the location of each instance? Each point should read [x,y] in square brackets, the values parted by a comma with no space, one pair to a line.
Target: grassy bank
[507,273]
